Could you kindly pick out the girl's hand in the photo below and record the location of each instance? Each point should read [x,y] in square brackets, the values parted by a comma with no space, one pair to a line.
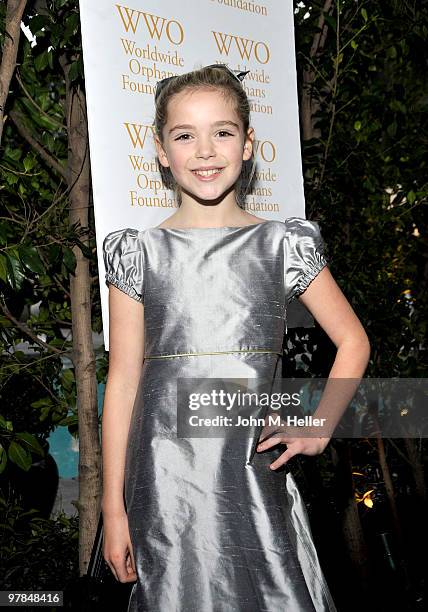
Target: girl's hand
[117,547]
[305,446]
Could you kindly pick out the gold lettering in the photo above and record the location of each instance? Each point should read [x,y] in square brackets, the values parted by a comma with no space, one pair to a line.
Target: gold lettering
[246,47]
[144,182]
[263,206]
[139,164]
[267,150]
[134,132]
[242,5]
[152,53]
[152,202]
[136,87]
[222,46]
[156,26]
[154,20]
[129,19]
[180,32]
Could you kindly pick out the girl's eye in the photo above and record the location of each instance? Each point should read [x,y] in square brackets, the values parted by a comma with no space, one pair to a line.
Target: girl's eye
[185,137]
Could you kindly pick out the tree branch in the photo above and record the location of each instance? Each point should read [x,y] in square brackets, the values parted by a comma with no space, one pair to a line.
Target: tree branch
[27,331]
[34,103]
[51,161]
[14,12]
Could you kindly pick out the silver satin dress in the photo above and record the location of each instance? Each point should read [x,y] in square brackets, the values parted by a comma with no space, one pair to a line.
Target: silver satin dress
[213,529]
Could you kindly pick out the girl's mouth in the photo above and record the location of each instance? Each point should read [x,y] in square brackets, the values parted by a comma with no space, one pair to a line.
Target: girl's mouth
[207,175]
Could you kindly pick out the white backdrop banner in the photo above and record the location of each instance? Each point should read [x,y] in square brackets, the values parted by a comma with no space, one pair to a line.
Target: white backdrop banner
[128,48]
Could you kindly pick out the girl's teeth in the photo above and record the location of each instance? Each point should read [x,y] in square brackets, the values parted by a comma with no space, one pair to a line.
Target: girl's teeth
[208,172]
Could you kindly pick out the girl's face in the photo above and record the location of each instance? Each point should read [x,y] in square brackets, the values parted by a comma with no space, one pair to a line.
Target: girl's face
[204,145]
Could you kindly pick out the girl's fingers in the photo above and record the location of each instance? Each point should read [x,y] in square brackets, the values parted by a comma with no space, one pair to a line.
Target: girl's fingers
[131,560]
[122,568]
[295,446]
[123,572]
[273,441]
[282,459]
[113,571]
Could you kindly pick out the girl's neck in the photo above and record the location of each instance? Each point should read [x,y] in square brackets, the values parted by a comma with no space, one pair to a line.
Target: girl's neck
[196,214]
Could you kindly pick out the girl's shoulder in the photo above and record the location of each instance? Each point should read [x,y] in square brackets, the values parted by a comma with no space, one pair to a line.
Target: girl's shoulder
[124,239]
[130,239]
[301,226]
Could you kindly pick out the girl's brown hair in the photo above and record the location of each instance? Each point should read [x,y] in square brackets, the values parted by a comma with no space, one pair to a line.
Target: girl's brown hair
[207,77]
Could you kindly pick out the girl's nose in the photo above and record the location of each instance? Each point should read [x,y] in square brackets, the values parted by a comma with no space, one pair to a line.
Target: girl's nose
[205,148]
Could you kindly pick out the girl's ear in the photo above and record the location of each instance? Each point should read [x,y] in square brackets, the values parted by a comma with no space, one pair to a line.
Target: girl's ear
[248,144]
[163,159]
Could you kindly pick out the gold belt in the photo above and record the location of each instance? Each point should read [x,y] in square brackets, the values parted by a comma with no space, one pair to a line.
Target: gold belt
[213,353]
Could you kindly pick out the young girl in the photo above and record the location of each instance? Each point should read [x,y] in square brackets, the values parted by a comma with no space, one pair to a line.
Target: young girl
[210,524]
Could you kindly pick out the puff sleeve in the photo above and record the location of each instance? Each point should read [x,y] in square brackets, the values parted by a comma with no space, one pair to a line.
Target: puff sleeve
[304,255]
[124,261]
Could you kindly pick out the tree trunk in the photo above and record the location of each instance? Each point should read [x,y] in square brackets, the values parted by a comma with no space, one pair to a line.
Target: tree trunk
[14,12]
[417,469]
[389,488]
[308,105]
[83,351]
[352,528]
[373,410]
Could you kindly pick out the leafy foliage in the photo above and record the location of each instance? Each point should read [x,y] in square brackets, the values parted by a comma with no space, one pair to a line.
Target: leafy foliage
[37,554]
[36,239]
[366,169]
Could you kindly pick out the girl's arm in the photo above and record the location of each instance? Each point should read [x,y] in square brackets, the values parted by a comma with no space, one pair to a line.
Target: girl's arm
[334,313]
[329,306]
[126,331]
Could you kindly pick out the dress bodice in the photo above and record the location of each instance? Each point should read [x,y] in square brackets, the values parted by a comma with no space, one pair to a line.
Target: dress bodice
[215,289]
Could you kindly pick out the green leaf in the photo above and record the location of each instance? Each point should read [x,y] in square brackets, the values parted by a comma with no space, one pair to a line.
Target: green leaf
[44,413]
[398,106]
[20,456]
[71,26]
[364,14]
[14,269]
[69,420]
[30,258]
[44,401]
[392,52]
[69,259]
[41,61]
[357,126]
[13,154]
[32,442]
[331,21]
[68,379]
[29,163]
[3,267]
[36,24]
[411,197]
[3,458]
[74,71]
[12,179]
[392,129]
